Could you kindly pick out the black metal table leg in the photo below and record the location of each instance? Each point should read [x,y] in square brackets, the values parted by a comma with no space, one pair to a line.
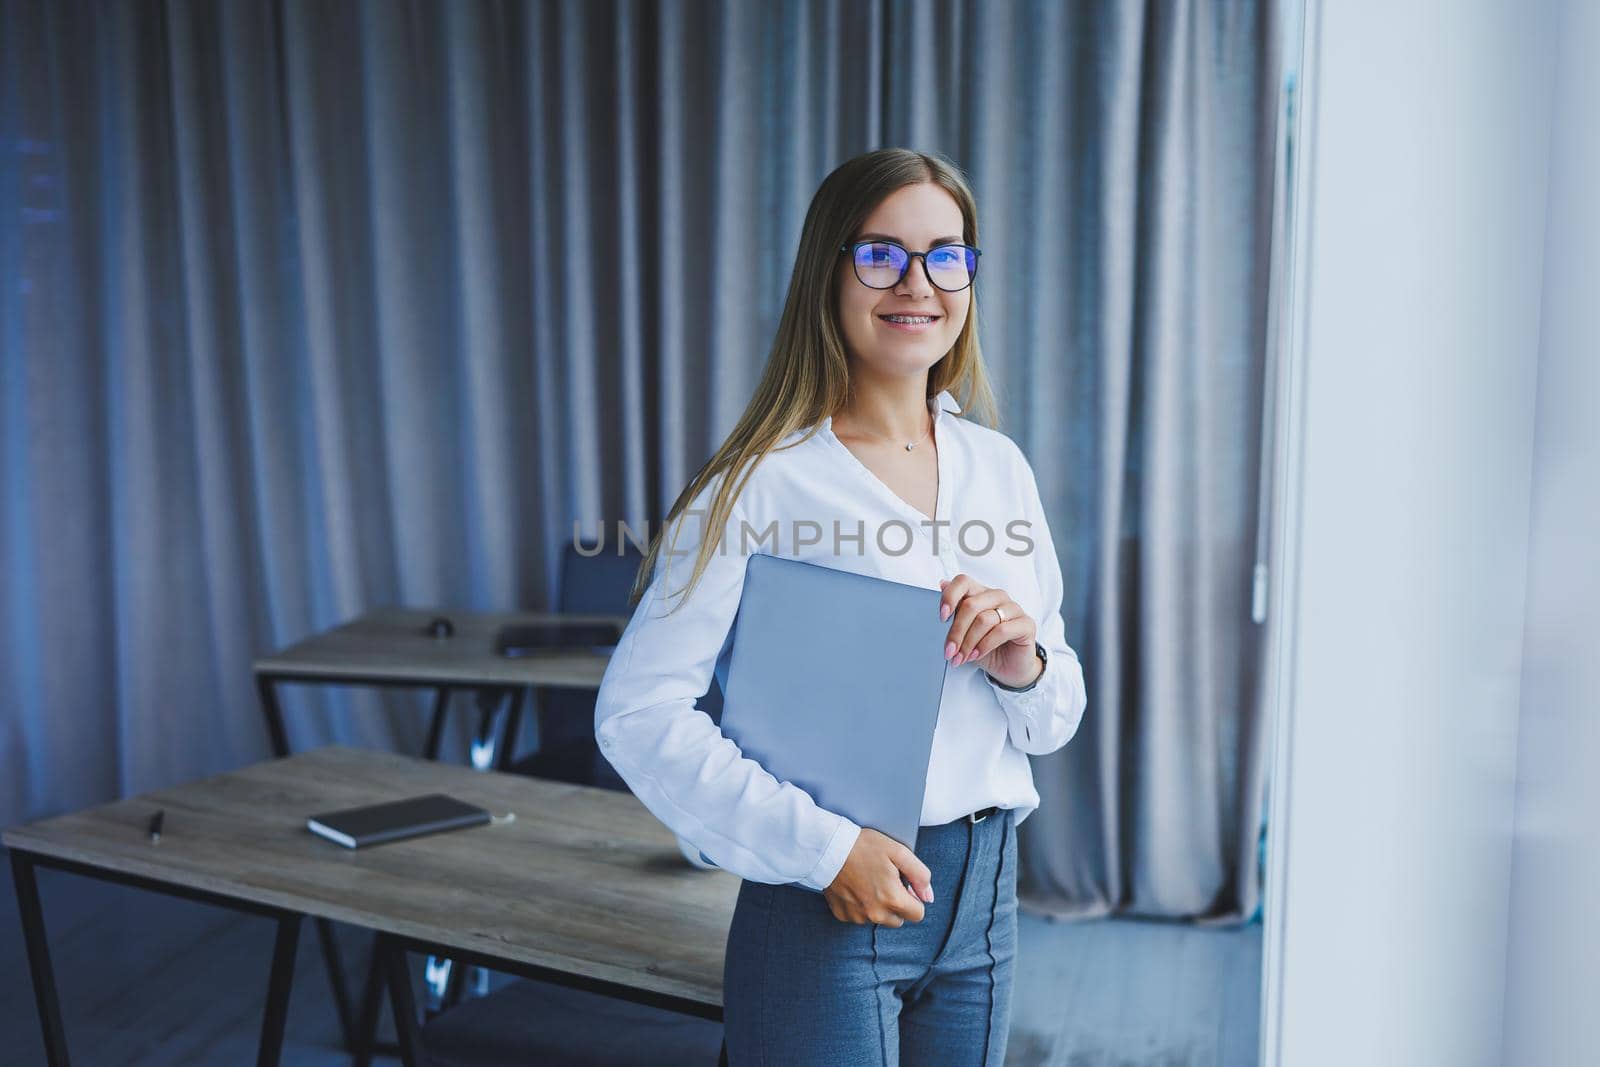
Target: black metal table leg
[454,985]
[267,687]
[278,985]
[441,702]
[402,1003]
[334,962]
[508,737]
[371,1006]
[44,979]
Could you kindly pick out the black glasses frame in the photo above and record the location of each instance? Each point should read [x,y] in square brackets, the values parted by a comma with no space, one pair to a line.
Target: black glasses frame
[910,255]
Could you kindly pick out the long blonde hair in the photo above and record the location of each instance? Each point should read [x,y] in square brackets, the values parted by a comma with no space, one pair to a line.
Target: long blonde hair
[807,376]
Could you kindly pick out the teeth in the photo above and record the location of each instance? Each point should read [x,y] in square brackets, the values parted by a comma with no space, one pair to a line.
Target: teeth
[913,319]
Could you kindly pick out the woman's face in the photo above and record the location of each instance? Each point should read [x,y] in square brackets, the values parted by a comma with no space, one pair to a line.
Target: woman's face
[919,217]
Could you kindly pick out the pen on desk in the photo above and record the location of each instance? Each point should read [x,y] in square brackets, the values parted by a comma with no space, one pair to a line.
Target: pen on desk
[155,826]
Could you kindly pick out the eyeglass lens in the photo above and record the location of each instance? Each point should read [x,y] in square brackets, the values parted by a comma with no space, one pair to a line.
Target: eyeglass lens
[881,264]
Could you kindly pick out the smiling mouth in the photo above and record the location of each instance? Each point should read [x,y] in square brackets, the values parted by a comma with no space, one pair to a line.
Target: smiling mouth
[910,320]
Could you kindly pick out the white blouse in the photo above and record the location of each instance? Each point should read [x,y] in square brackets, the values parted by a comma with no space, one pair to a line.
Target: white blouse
[989,523]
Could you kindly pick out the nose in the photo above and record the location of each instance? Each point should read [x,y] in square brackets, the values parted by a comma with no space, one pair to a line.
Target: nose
[915,281]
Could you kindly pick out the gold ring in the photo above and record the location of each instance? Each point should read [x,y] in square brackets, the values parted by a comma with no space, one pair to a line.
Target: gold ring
[1000,614]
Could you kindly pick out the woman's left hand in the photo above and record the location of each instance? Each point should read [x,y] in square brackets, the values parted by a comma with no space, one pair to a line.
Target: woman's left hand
[990,629]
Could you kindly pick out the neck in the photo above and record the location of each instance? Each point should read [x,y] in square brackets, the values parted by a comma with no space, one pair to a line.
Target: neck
[893,412]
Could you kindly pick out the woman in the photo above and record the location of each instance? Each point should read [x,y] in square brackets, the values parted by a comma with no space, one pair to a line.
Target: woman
[831,958]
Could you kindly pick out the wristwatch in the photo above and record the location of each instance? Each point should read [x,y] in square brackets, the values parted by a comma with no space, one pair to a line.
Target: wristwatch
[1044,661]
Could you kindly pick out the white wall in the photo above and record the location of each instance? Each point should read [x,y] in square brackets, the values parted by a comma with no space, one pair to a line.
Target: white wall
[1553,970]
[1418,321]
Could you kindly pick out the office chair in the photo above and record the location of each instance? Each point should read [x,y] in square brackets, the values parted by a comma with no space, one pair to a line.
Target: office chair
[595,584]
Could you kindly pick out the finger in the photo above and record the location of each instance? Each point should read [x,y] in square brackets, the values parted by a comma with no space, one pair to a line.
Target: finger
[993,611]
[911,865]
[966,592]
[907,906]
[921,893]
[953,590]
[916,872]
[1019,630]
[973,620]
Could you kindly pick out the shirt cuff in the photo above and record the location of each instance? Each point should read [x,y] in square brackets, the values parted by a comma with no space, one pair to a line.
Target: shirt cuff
[833,857]
[1028,707]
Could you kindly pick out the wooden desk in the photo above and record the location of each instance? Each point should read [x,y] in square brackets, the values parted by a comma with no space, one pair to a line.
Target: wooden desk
[390,647]
[585,887]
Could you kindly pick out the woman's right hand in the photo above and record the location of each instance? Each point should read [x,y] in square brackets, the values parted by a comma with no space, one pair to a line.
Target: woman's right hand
[868,888]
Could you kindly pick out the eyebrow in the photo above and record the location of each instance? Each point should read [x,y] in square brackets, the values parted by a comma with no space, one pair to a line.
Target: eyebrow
[890,237]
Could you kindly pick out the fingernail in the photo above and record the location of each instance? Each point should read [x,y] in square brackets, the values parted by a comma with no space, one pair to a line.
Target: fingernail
[949,649]
[958,660]
[929,897]
[944,612]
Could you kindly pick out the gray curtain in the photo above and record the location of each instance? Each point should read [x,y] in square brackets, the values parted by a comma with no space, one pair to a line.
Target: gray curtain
[308,308]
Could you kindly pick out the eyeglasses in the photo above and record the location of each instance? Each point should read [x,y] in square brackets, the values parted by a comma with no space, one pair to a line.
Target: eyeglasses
[882,264]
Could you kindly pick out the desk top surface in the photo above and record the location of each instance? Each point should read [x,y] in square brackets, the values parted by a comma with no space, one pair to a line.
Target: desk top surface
[392,644]
[585,881]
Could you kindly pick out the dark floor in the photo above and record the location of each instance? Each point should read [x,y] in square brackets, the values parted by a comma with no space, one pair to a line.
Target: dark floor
[147,980]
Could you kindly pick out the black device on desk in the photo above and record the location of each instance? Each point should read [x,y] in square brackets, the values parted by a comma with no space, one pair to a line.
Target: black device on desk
[396,820]
[528,639]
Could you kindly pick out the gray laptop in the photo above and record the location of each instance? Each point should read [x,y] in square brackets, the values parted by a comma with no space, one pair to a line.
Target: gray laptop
[833,684]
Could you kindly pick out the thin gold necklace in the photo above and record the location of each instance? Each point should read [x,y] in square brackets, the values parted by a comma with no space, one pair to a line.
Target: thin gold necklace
[911,444]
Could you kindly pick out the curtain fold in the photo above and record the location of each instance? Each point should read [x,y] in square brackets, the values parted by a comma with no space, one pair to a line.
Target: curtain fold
[308,308]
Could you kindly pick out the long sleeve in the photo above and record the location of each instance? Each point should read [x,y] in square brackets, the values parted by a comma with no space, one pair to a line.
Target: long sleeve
[677,761]
[1044,717]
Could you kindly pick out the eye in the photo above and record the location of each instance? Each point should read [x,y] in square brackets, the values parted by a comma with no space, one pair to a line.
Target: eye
[945,257]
